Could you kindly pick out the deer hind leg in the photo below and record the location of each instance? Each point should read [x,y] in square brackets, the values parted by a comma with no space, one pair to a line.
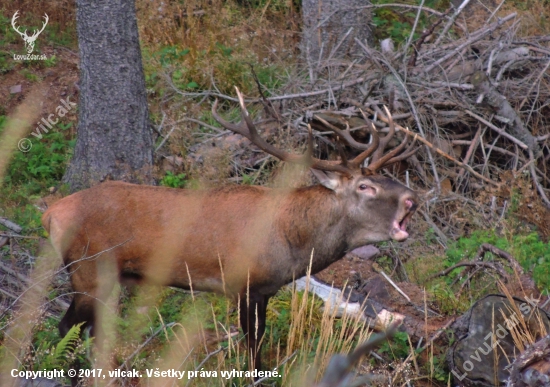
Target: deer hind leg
[92,284]
[92,287]
[253,311]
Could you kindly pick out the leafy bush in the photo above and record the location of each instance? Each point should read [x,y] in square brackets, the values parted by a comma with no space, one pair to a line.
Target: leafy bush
[398,347]
[44,164]
[395,24]
[174,181]
[531,252]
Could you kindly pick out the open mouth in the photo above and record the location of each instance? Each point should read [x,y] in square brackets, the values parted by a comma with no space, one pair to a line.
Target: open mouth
[399,229]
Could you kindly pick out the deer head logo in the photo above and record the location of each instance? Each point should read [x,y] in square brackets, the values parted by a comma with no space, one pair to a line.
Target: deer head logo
[29,40]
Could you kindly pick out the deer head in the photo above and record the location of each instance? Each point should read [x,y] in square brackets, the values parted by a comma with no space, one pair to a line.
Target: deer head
[29,40]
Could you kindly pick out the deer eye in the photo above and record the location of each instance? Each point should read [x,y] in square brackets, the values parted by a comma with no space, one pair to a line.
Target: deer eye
[365,187]
[368,189]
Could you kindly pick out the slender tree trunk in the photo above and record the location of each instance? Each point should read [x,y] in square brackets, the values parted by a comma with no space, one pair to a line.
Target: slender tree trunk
[326,23]
[113,137]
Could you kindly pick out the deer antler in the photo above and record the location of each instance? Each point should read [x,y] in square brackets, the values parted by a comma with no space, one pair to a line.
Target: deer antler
[247,129]
[376,148]
[368,149]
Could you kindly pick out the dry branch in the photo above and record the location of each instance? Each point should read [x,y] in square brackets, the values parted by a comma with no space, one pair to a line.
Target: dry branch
[11,225]
[503,108]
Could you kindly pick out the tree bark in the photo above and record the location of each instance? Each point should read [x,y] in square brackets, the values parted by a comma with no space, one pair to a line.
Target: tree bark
[113,136]
[326,23]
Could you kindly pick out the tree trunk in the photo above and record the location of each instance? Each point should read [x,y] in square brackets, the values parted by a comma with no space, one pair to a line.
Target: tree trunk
[326,23]
[113,137]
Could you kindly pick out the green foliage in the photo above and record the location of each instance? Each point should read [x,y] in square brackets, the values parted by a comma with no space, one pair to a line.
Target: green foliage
[279,314]
[49,356]
[6,62]
[531,252]
[7,34]
[28,216]
[171,54]
[173,181]
[446,299]
[30,75]
[280,321]
[50,62]
[180,80]
[394,23]
[44,164]
[439,368]
[248,179]
[430,236]
[194,69]
[398,347]
[65,36]
[274,5]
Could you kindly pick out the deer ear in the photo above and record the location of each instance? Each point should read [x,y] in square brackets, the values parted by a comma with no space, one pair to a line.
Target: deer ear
[328,179]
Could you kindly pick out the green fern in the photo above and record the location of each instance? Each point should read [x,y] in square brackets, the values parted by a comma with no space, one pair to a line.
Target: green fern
[58,354]
[67,343]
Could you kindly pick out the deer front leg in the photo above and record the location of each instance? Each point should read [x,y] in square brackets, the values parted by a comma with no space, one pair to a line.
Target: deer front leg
[253,311]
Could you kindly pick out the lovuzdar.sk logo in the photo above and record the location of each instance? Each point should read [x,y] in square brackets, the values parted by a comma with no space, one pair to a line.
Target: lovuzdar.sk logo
[29,39]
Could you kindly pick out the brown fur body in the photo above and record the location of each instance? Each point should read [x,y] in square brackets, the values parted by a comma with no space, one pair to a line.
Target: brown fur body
[230,240]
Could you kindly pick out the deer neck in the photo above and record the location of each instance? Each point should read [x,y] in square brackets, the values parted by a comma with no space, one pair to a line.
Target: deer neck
[315,224]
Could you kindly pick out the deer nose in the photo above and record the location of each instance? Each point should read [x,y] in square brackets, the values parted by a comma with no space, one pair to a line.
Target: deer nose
[410,205]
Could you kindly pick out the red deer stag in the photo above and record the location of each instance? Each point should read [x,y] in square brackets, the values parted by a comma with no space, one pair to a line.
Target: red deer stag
[242,241]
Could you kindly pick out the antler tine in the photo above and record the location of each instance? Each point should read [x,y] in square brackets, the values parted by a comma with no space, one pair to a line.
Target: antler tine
[386,139]
[259,141]
[358,160]
[380,160]
[411,150]
[387,158]
[368,149]
[345,134]
[343,156]
[228,125]
[309,150]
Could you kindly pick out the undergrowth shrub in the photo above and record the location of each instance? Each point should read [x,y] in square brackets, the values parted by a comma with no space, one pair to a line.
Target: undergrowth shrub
[174,181]
[532,253]
[44,164]
[396,24]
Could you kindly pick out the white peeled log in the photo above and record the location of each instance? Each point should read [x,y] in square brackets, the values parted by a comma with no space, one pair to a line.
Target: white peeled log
[335,299]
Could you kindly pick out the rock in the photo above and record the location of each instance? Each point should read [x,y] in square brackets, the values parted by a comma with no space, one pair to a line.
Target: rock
[15,89]
[366,252]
